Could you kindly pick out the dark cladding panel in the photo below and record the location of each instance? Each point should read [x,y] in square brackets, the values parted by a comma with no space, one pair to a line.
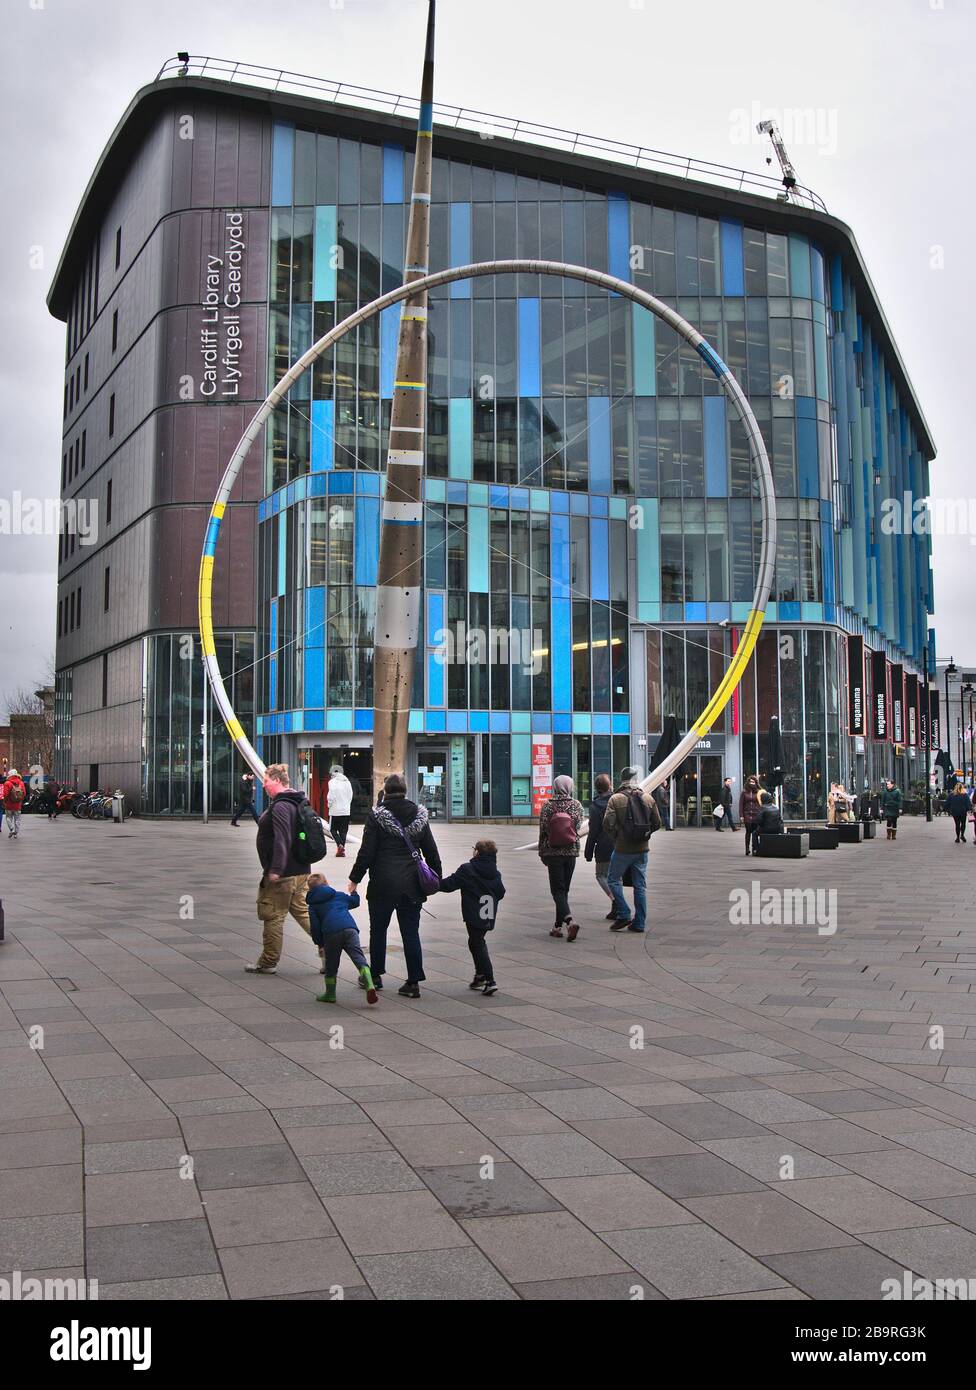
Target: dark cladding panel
[237,562]
[254,161]
[204,157]
[226,186]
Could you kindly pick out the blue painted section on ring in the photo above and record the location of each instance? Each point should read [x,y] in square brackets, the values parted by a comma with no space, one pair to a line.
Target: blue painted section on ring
[708,353]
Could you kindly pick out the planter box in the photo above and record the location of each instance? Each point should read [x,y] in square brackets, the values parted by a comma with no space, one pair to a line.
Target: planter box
[794,845]
[853,833]
[821,836]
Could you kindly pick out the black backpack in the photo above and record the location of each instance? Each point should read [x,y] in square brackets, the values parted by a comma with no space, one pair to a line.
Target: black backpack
[309,843]
[638,820]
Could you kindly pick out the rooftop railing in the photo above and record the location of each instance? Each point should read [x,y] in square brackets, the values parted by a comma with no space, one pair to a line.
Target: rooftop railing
[489,126]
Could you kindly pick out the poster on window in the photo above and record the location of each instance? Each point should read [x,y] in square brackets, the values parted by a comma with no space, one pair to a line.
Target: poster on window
[541,771]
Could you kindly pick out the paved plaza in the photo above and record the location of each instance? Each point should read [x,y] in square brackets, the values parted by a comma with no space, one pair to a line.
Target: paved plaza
[525,1146]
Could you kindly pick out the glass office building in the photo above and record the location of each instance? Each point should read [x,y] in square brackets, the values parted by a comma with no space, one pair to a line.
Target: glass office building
[591,525]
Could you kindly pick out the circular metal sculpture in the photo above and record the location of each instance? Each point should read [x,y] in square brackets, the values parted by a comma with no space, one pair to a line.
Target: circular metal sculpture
[731,387]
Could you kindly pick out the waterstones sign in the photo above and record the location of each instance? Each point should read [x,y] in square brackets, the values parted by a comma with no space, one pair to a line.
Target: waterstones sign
[221,344]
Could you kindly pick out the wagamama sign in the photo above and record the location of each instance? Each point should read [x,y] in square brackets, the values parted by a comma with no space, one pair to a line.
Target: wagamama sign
[221,344]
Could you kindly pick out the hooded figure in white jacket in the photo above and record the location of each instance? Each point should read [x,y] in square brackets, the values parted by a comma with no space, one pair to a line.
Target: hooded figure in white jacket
[340,804]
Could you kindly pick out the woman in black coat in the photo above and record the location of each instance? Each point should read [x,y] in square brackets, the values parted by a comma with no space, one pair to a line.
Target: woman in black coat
[393,831]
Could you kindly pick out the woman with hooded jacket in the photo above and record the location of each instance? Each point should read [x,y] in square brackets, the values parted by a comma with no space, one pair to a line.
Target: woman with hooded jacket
[559,826]
[393,832]
[750,810]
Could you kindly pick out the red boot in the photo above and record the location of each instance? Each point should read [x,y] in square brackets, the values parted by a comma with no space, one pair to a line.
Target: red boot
[340,851]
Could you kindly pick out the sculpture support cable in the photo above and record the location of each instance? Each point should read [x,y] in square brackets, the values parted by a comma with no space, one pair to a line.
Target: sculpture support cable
[602,280]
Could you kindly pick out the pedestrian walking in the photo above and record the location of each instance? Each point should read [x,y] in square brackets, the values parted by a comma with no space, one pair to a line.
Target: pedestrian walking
[285,869]
[750,810]
[631,819]
[559,827]
[334,931]
[340,805]
[481,889]
[662,795]
[891,803]
[723,812]
[14,794]
[245,799]
[599,846]
[959,806]
[396,834]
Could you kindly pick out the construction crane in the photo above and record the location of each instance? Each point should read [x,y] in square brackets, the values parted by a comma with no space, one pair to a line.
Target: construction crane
[771,129]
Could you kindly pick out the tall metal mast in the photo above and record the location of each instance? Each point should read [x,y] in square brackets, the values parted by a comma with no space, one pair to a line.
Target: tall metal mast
[771,129]
[398,591]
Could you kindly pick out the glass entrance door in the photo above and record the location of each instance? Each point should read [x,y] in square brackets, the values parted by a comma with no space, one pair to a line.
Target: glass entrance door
[698,790]
[433,772]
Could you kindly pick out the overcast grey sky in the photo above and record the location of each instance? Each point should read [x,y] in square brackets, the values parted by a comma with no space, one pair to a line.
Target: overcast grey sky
[891,81]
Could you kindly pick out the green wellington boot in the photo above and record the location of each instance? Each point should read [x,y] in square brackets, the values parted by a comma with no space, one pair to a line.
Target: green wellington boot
[367,979]
[329,997]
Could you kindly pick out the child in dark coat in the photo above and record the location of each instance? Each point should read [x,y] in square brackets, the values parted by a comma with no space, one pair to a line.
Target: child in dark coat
[481,892]
[335,931]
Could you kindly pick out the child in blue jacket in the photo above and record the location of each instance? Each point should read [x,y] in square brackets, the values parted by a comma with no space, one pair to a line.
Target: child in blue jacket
[334,929]
[481,891]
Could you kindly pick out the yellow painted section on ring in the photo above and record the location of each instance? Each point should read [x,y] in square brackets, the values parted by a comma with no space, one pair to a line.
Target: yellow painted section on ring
[205,597]
[235,730]
[218,511]
[732,676]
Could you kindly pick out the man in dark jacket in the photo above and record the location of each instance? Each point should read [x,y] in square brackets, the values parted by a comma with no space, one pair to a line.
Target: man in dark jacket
[725,801]
[284,879]
[770,820]
[599,846]
[662,795]
[391,835]
[630,853]
[958,805]
[481,891]
[245,799]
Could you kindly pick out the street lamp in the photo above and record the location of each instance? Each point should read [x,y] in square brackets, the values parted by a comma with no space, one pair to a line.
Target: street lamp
[950,670]
[967,689]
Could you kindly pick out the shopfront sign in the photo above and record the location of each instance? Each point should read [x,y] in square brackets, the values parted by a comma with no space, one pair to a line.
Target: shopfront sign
[898,703]
[880,722]
[855,685]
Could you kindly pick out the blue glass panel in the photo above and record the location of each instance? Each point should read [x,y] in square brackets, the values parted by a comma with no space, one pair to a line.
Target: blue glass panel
[415,723]
[621,723]
[436,722]
[457,494]
[460,438]
[696,612]
[460,252]
[314,618]
[789,611]
[282,164]
[645,370]
[499,496]
[339,720]
[282,552]
[392,174]
[342,482]
[315,719]
[600,506]
[457,721]
[716,461]
[317,486]
[389,333]
[561,654]
[559,501]
[520,499]
[368,483]
[323,267]
[618,235]
[364,720]
[808,466]
[563,724]
[800,267]
[435,619]
[601,467]
[323,436]
[434,679]
[648,551]
[479,721]
[529,373]
[314,686]
[478,555]
[498,723]
[560,558]
[579,503]
[733,275]
[602,724]
[600,560]
[581,723]
[367,539]
[541,723]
